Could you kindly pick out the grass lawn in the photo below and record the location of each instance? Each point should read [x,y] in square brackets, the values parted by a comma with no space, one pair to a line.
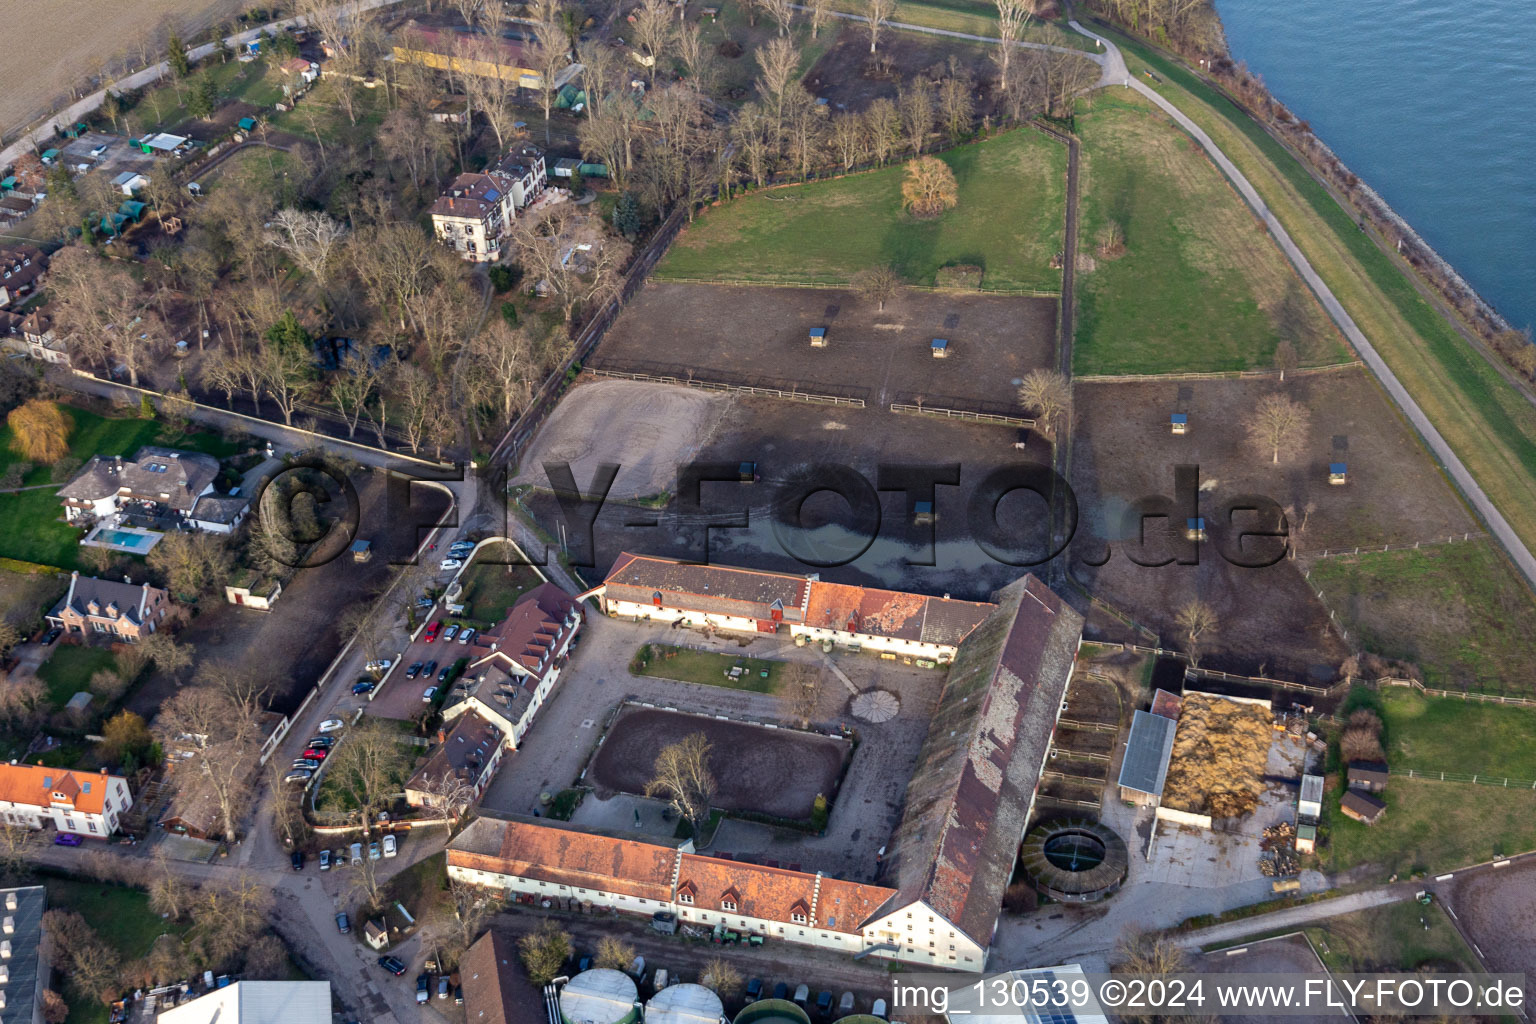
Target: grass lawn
[1431,826]
[420,887]
[1458,611]
[34,531]
[1009,221]
[70,668]
[1201,286]
[318,113]
[664,661]
[1489,424]
[1391,939]
[164,107]
[491,589]
[26,597]
[1431,733]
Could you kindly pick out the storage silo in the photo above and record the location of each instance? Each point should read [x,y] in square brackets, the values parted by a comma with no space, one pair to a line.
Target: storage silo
[599,996]
[684,1004]
[772,1011]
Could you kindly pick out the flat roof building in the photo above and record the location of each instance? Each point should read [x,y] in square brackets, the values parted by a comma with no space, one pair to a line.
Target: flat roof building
[1144,769]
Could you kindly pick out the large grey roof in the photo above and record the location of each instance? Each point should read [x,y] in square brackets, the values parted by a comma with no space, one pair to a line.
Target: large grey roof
[971,793]
[152,472]
[26,936]
[1145,767]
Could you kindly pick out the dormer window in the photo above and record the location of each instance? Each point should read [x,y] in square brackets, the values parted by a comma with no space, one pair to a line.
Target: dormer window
[727,904]
[797,918]
[684,897]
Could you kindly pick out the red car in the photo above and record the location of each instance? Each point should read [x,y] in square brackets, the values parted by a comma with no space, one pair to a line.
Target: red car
[431,633]
[318,755]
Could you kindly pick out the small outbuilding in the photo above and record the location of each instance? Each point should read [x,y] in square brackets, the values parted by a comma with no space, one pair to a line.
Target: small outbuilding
[362,550]
[1306,838]
[1363,808]
[247,124]
[566,166]
[376,934]
[1310,807]
[1338,473]
[1179,423]
[1144,769]
[129,183]
[1194,528]
[818,337]
[923,514]
[1367,776]
[940,348]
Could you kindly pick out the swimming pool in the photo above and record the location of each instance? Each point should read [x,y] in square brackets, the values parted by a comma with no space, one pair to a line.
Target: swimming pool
[124,539]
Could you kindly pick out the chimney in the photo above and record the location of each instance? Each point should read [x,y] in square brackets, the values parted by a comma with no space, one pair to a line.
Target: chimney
[10,900]
[442,736]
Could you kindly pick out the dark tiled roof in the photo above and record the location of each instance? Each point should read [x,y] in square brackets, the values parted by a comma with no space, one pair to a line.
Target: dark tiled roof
[532,630]
[181,476]
[130,598]
[1368,771]
[722,590]
[1362,804]
[496,991]
[971,793]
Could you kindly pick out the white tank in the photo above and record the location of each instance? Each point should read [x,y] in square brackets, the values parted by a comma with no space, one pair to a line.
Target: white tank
[684,1004]
[599,996]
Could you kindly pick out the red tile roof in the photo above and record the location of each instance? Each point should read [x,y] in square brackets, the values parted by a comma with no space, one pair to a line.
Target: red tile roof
[578,859]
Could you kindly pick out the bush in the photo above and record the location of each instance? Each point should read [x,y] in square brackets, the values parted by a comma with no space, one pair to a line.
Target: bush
[504,278]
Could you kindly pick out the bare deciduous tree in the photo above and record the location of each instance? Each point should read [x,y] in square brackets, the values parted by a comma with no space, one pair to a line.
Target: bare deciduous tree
[800,692]
[882,129]
[929,187]
[721,976]
[1012,16]
[1195,621]
[310,238]
[1049,394]
[220,734]
[653,31]
[544,952]
[613,953]
[682,775]
[1278,425]
[877,284]
[878,12]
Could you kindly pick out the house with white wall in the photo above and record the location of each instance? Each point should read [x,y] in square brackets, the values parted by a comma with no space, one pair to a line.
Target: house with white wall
[82,803]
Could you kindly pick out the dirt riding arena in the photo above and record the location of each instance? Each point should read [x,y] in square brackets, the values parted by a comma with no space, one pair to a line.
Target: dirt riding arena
[1123,450]
[777,772]
[760,336]
[1496,911]
[781,436]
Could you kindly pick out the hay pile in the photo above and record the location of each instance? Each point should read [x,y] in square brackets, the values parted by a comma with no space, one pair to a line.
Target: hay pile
[1219,754]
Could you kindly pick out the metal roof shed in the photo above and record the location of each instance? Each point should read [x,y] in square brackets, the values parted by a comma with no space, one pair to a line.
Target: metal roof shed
[1145,767]
[1311,805]
[940,348]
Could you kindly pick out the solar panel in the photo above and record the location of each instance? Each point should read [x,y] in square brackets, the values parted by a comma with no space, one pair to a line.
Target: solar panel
[491,195]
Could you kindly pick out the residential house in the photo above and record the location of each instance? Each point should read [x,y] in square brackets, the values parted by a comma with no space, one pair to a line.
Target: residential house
[515,664]
[756,601]
[157,483]
[524,167]
[1367,776]
[121,610]
[22,269]
[218,513]
[1362,807]
[40,339]
[474,213]
[495,986]
[24,969]
[455,776]
[301,71]
[129,183]
[257,1002]
[84,803]
[953,852]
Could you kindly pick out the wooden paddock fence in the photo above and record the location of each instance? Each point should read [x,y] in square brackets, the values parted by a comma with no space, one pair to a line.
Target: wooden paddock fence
[960,414]
[1132,378]
[737,389]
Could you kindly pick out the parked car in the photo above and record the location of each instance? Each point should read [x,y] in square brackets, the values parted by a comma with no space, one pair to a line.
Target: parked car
[423,981]
[802,995]
[466,634]
[845,1004]
[451,632]
[316,753]
[307,763]
[458,995]
[321,743]
[390,849]
[442,986]
[414,670]
[780,991]
[425,602]
[428,694]
[298,775]
[325,860]
[364,686]
[444,673]
[99,150]
[66,839]
[52,635]
[380,665]
[332,725]
[431,667]
[392,965]
[298,860]
[450,564]
[878,1009]
[824,1003]
[342,924]
[461,545]
[374,853]
[754,990]
[356,849]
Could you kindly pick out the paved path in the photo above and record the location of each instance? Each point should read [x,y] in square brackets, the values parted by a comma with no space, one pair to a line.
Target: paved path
[1115,72]
[1294,917]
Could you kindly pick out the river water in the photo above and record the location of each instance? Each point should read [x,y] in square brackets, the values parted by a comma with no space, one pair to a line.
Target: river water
[1431,104]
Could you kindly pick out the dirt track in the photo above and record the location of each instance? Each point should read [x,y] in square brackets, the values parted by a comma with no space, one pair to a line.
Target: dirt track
[775,772]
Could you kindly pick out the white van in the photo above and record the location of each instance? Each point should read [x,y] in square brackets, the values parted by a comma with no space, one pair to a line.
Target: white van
[357,853]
